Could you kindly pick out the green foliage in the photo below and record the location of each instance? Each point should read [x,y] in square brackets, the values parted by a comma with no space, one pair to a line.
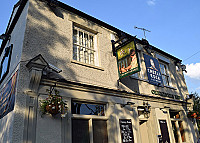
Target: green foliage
[196,108]
[53,104]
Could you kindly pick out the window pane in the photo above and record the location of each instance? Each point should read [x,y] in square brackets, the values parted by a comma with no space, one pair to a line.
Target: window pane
[91,42]
[92,57]
[87,109]
[80,131]
[182,131]
[75,51]
[100,134]
[81,54]
[165,80]
[4,66]
[75,36]
[86,40]
[86,58]
[162,68]
[80,38]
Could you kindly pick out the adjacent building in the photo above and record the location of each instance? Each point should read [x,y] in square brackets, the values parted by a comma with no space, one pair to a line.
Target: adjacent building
[116,88]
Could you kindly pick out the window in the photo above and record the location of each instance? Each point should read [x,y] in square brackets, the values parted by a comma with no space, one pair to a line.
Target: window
[177,126]
[181,131]
[88,108]
[165,73]
[175,131]
[89,124]
[5,62]
[83,46]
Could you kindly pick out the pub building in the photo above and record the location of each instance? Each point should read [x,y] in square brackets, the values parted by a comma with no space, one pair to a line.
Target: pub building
[67,77]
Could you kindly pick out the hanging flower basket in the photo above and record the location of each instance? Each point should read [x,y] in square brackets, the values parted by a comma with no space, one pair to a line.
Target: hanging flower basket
[53,104]
[192,114]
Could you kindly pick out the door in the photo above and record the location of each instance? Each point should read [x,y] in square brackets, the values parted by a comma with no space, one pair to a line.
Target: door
[164,131]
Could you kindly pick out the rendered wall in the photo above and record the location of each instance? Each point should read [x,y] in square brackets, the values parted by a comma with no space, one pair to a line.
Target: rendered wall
[10,123]
[51,36]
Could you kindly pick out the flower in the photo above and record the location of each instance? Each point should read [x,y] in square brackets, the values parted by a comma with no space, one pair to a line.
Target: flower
[53,104]
[193,114]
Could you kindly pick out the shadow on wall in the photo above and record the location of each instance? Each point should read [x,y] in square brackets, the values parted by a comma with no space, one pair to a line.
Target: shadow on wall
[44,35]
[6,129]
[130,83]
[180,83]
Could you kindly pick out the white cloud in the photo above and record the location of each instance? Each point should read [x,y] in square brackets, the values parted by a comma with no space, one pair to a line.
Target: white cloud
[151,2]
[193,71]
[198,88]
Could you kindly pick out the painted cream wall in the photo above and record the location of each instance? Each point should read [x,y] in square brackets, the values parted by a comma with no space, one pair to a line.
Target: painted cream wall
[114,112]
[50,132]
[51,36]
[14,120]
[53,39]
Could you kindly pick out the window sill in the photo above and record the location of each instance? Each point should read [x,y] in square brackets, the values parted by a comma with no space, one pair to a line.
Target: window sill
[87,65]
[89,116]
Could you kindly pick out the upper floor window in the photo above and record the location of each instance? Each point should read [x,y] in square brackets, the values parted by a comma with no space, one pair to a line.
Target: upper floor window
[83,46]
[165,73]
[5,62]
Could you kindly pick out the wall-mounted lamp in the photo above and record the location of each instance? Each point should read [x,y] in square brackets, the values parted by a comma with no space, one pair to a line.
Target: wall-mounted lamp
[128,103]
[4,37]
[190,96]
[145,109]
[183,67]
[166,107]
[163,110]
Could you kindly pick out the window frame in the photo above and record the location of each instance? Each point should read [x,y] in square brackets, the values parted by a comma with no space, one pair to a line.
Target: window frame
[77,47]
[90,118]
[177,126]
[9,55]
[166,74]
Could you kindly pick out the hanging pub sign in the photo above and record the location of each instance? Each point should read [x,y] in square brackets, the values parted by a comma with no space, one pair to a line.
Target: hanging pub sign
[127,59]
[7,97]
[153,70]
[126,130]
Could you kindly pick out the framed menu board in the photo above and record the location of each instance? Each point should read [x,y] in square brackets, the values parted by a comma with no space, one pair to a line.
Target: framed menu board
[126,130]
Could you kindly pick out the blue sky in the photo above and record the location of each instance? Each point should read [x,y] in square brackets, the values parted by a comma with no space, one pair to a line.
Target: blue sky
[174,25]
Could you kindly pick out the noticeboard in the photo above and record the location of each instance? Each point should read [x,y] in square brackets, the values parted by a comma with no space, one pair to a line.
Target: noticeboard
[153,70]
[126,130]
[127,59]
[164,131]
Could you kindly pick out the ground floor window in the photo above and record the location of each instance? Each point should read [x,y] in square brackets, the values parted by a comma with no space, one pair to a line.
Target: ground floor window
[180,123]
[175,131]
[89,124]
[177,126]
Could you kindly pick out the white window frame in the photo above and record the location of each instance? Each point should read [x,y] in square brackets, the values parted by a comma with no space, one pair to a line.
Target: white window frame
[90,118]
[176,121]
[166,74]
[82,52]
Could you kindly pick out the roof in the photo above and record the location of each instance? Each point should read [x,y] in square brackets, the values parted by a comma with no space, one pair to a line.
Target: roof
[78,12]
